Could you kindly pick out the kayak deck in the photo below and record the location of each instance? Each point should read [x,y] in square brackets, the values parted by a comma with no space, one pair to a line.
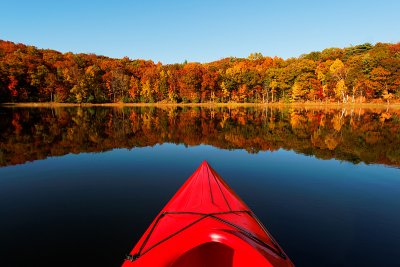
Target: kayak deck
[206,224]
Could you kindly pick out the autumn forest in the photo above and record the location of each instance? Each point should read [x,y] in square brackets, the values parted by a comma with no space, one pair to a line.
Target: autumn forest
[356,74]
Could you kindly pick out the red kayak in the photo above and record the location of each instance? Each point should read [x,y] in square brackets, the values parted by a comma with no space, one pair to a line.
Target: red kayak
[206,224]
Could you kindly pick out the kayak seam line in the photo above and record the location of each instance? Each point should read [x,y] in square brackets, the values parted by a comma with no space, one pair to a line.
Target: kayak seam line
[254,216]
[209,184]
[223,195]
[149,234]
[191,188]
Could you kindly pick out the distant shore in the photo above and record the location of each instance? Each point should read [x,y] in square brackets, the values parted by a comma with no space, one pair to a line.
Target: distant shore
[208,104]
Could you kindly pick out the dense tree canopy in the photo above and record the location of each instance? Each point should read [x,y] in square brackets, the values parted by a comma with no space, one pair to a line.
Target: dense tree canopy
[353,74]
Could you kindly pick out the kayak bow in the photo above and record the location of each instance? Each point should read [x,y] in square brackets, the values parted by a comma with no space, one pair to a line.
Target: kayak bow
[206,224]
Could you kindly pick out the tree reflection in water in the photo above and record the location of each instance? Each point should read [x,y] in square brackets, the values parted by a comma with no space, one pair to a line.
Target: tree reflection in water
[354,135]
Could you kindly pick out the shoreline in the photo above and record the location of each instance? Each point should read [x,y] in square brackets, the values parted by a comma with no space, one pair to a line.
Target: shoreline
[209,104]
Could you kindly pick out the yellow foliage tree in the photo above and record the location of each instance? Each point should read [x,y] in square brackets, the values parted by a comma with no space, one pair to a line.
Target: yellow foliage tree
[341,90]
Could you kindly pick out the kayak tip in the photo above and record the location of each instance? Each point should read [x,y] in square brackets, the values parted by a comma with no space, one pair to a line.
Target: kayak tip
[205,163]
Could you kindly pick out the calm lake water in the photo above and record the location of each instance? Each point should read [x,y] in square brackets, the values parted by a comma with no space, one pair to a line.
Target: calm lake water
[79,186]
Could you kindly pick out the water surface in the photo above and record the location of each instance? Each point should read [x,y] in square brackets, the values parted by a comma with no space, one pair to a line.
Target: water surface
[79,186]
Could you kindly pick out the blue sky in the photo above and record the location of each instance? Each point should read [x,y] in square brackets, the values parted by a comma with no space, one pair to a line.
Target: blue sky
[174,31]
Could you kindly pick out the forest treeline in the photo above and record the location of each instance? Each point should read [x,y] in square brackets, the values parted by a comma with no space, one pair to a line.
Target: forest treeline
[350,135]
[361,73]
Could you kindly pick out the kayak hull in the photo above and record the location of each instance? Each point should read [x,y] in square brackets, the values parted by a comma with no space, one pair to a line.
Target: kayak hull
[206,224]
